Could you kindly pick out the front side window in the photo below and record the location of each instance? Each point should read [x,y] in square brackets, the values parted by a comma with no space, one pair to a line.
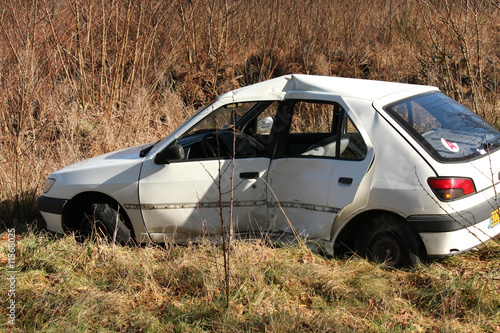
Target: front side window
[445,128]
[236,130]
[222,119]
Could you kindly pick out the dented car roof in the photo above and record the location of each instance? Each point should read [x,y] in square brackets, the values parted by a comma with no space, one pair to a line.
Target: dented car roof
[278,88]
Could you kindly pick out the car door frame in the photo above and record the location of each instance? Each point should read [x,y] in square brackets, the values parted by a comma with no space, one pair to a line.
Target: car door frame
[282,131]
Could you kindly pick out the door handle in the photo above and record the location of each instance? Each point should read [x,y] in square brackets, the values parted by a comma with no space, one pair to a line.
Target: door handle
[249,175]
[345,180]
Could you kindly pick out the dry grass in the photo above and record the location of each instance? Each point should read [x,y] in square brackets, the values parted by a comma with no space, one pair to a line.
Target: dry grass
[64,285]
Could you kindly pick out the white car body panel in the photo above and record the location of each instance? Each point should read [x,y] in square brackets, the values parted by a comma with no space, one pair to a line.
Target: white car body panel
[191,201]
[53,221]
[312,210]
[115,173]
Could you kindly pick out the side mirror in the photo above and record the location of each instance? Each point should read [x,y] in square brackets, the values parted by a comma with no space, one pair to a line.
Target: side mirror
[265,124]
[169,154]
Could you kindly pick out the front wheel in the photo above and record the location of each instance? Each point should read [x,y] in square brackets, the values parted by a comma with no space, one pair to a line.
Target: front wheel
[385,239]
[104,218]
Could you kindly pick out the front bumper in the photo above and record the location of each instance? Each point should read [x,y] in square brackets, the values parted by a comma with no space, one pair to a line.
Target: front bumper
[52,210]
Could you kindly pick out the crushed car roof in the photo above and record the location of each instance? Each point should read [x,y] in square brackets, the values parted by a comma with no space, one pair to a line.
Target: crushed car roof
[276,89]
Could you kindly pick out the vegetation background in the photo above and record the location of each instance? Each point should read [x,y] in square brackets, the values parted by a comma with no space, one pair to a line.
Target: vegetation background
[83,77]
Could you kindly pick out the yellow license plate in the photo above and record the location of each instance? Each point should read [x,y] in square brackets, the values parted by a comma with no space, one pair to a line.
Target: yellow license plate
[495,218]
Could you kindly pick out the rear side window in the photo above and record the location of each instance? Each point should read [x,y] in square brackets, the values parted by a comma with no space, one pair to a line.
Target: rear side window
[323,130]
[445,128]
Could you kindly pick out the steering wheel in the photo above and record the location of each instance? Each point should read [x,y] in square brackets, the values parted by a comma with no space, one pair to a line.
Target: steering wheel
[207,149]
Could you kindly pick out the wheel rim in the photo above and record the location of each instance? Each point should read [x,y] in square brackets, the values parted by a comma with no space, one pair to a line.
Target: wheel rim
[387,247]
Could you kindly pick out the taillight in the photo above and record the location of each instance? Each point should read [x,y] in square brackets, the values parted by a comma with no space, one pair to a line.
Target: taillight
[451,188]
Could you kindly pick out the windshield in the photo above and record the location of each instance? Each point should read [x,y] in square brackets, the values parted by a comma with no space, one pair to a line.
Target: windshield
[446,129]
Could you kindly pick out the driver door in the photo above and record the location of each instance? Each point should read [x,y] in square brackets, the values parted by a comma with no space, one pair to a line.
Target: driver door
[221,180]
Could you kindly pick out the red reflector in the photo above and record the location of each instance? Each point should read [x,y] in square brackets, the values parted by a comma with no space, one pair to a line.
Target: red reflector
[451,188]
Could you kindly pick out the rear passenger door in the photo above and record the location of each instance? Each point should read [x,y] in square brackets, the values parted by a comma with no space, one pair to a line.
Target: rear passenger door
[319,162]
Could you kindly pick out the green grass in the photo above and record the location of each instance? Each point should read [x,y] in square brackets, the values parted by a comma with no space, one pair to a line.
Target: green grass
[64,285]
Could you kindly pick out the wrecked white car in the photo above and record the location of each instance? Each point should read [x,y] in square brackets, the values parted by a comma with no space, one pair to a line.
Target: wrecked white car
[392,171]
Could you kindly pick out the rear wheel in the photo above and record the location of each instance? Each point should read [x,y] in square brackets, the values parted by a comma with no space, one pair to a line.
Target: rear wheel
[105,219]
[386,239]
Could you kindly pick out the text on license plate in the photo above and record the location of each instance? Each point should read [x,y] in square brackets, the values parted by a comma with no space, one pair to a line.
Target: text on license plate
[495,218]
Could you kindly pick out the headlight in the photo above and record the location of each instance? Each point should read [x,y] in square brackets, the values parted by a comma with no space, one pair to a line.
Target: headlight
[48,184]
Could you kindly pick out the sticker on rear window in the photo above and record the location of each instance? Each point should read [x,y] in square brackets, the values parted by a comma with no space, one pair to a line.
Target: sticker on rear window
[450,145]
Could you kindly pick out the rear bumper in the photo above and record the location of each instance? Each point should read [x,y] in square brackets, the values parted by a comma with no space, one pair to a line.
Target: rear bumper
[450,234]
[443,244]
[51,210]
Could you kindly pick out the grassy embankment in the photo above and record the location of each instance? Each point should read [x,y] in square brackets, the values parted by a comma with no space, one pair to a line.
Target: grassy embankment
[82,78]
[63,285]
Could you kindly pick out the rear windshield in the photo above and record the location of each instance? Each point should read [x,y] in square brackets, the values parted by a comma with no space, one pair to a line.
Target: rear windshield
[446,129]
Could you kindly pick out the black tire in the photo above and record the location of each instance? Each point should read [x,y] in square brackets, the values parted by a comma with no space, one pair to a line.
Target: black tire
[386,239]
[103,218]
